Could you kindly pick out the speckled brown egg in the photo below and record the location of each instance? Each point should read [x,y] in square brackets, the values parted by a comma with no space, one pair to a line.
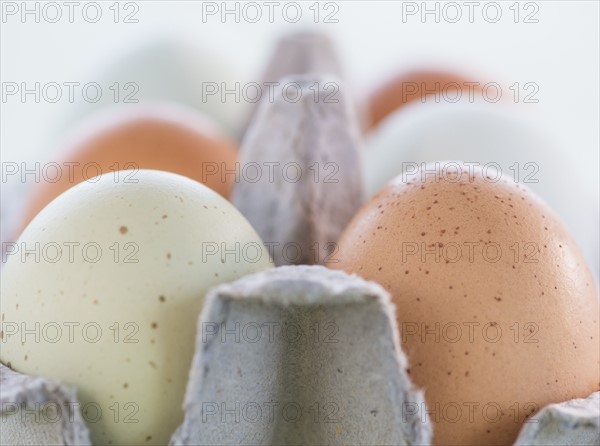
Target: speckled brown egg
[158,137]
[497,311]
[416,86]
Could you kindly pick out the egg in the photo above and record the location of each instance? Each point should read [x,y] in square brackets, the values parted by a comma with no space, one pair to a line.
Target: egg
[162,137]
[497,310]
[103,289]
[417,85]
[164,70]
[497,138]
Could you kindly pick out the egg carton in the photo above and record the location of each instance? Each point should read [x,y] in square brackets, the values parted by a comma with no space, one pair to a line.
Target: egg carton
[356,385]
[358,379]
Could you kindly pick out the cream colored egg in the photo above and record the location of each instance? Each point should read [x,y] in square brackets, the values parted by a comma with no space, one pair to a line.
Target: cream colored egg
[103,290]
[496,138]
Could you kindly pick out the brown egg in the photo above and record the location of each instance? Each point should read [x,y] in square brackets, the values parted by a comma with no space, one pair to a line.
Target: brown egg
[161,137]
[497,310]
[415,86]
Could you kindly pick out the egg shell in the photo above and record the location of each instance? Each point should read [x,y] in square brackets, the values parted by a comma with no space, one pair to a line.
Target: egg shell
[495,304]
[167,70]
[161,137]
[132,286]
[495,136]
[412,86]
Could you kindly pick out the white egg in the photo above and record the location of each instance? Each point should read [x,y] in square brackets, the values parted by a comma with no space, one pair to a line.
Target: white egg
[170,71]
[495,137]
[104,288]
